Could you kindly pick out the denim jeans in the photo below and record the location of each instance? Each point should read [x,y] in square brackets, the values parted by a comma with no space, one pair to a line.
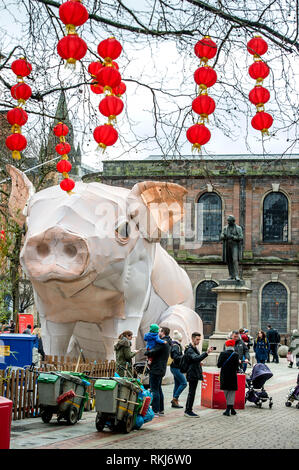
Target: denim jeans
[155,382]
[180,382]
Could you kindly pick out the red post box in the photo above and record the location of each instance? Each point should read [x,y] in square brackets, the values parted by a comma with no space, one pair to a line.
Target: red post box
[5,420]
[213,397]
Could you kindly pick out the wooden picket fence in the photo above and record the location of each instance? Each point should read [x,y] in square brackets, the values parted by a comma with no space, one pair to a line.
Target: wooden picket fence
[20,386]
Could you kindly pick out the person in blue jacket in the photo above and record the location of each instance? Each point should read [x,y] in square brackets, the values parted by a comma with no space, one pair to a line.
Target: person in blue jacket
[152,338]
[261,347]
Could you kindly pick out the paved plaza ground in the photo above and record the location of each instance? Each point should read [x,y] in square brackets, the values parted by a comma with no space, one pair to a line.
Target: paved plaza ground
[251,428]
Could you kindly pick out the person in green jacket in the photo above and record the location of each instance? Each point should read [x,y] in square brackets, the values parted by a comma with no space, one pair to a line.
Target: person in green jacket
[124,354]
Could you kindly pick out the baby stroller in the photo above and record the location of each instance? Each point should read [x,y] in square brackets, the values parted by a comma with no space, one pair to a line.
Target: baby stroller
[255,384]
[293,395]
[141,370]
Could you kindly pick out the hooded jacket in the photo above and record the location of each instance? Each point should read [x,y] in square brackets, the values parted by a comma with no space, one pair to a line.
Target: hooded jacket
[124,355]
[152,339]
[159,355]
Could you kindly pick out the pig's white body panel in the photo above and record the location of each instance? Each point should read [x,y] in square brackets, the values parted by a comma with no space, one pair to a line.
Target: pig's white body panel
[121,285]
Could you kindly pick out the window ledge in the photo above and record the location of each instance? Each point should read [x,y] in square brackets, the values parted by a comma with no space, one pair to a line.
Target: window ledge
[275,243]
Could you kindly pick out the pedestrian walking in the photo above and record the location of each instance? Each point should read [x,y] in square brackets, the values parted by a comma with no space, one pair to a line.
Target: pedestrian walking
[273,338]
[37,332]
[228,362]
[261,347]
[194,371]
[159,355]
[123,353]
[180,382]
[290,358]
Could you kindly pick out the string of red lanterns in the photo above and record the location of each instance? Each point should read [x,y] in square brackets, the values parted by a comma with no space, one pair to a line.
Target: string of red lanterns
[203,105]
[107,80]
[71,47]
[17,117]
[259,95]
[64,166]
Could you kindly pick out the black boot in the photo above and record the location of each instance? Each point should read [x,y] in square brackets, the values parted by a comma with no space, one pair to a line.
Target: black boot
[227,412]
[232,410]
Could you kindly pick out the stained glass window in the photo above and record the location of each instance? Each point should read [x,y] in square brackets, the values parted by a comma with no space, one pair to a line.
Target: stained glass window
[209,208]
[205,306]
[274,307]
[275,218]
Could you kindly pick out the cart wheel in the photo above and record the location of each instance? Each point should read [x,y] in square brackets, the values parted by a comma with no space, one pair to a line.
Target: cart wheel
[100,422]
[297,406]
[270,404]
[46,416]
[259,404]
[128,425]
[288,404]
[72,415]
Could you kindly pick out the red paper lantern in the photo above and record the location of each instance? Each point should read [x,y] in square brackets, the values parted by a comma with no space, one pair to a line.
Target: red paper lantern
[96,88]
[67,184]
[105,135]
[73,13]
[94,68]
[111,106]
[257,46]
[60,130]
[109,77]
[17,116]
[110,49]
[63,148]
[262,122]
[21,67]
[120,89]
[205,49]
[198,135]
[64,166]
[203,105]
[16,143]
[259,96]
[21,92]
[205,77]
[259,70]
[71,48]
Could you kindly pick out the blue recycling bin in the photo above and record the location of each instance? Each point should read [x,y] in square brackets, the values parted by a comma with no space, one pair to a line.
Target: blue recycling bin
[16,350]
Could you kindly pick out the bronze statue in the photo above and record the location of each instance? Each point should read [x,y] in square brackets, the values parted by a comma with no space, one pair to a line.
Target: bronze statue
[232,236]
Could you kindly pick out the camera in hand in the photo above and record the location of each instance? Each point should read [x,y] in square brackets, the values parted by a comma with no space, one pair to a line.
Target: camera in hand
[214,348]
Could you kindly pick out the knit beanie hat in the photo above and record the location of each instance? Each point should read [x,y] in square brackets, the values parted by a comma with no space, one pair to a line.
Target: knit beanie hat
[177,336]
[154,328]
[230,342]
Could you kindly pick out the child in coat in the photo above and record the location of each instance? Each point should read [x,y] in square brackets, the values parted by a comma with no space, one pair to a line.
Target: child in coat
[152,338]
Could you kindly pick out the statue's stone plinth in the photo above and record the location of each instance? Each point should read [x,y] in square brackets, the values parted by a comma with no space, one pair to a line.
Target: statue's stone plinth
[231,313]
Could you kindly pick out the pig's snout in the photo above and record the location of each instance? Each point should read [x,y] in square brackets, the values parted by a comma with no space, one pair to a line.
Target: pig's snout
[55,254]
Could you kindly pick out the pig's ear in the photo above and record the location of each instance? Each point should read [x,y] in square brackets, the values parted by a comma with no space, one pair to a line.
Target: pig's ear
[21,191]
[156,206]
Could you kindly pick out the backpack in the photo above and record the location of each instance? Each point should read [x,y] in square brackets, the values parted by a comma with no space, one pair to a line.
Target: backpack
[184,364]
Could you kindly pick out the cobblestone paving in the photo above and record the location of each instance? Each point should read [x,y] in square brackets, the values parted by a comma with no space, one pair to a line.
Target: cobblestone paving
[251,428]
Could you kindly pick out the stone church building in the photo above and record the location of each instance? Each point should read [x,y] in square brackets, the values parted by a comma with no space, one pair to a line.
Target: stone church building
[263,195]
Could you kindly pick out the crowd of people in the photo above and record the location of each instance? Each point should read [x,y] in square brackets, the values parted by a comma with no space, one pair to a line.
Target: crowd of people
[185,364]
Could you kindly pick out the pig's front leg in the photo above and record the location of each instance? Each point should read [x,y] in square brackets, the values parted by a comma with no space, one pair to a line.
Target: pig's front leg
[56,337]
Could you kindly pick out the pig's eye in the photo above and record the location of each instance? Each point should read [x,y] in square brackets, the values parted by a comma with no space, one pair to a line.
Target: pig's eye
[123,230]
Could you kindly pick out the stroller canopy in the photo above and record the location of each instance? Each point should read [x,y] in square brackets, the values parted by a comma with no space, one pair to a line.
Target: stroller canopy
[260,374]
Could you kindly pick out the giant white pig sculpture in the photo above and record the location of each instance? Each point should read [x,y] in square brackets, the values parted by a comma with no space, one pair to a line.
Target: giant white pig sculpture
[96,265]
